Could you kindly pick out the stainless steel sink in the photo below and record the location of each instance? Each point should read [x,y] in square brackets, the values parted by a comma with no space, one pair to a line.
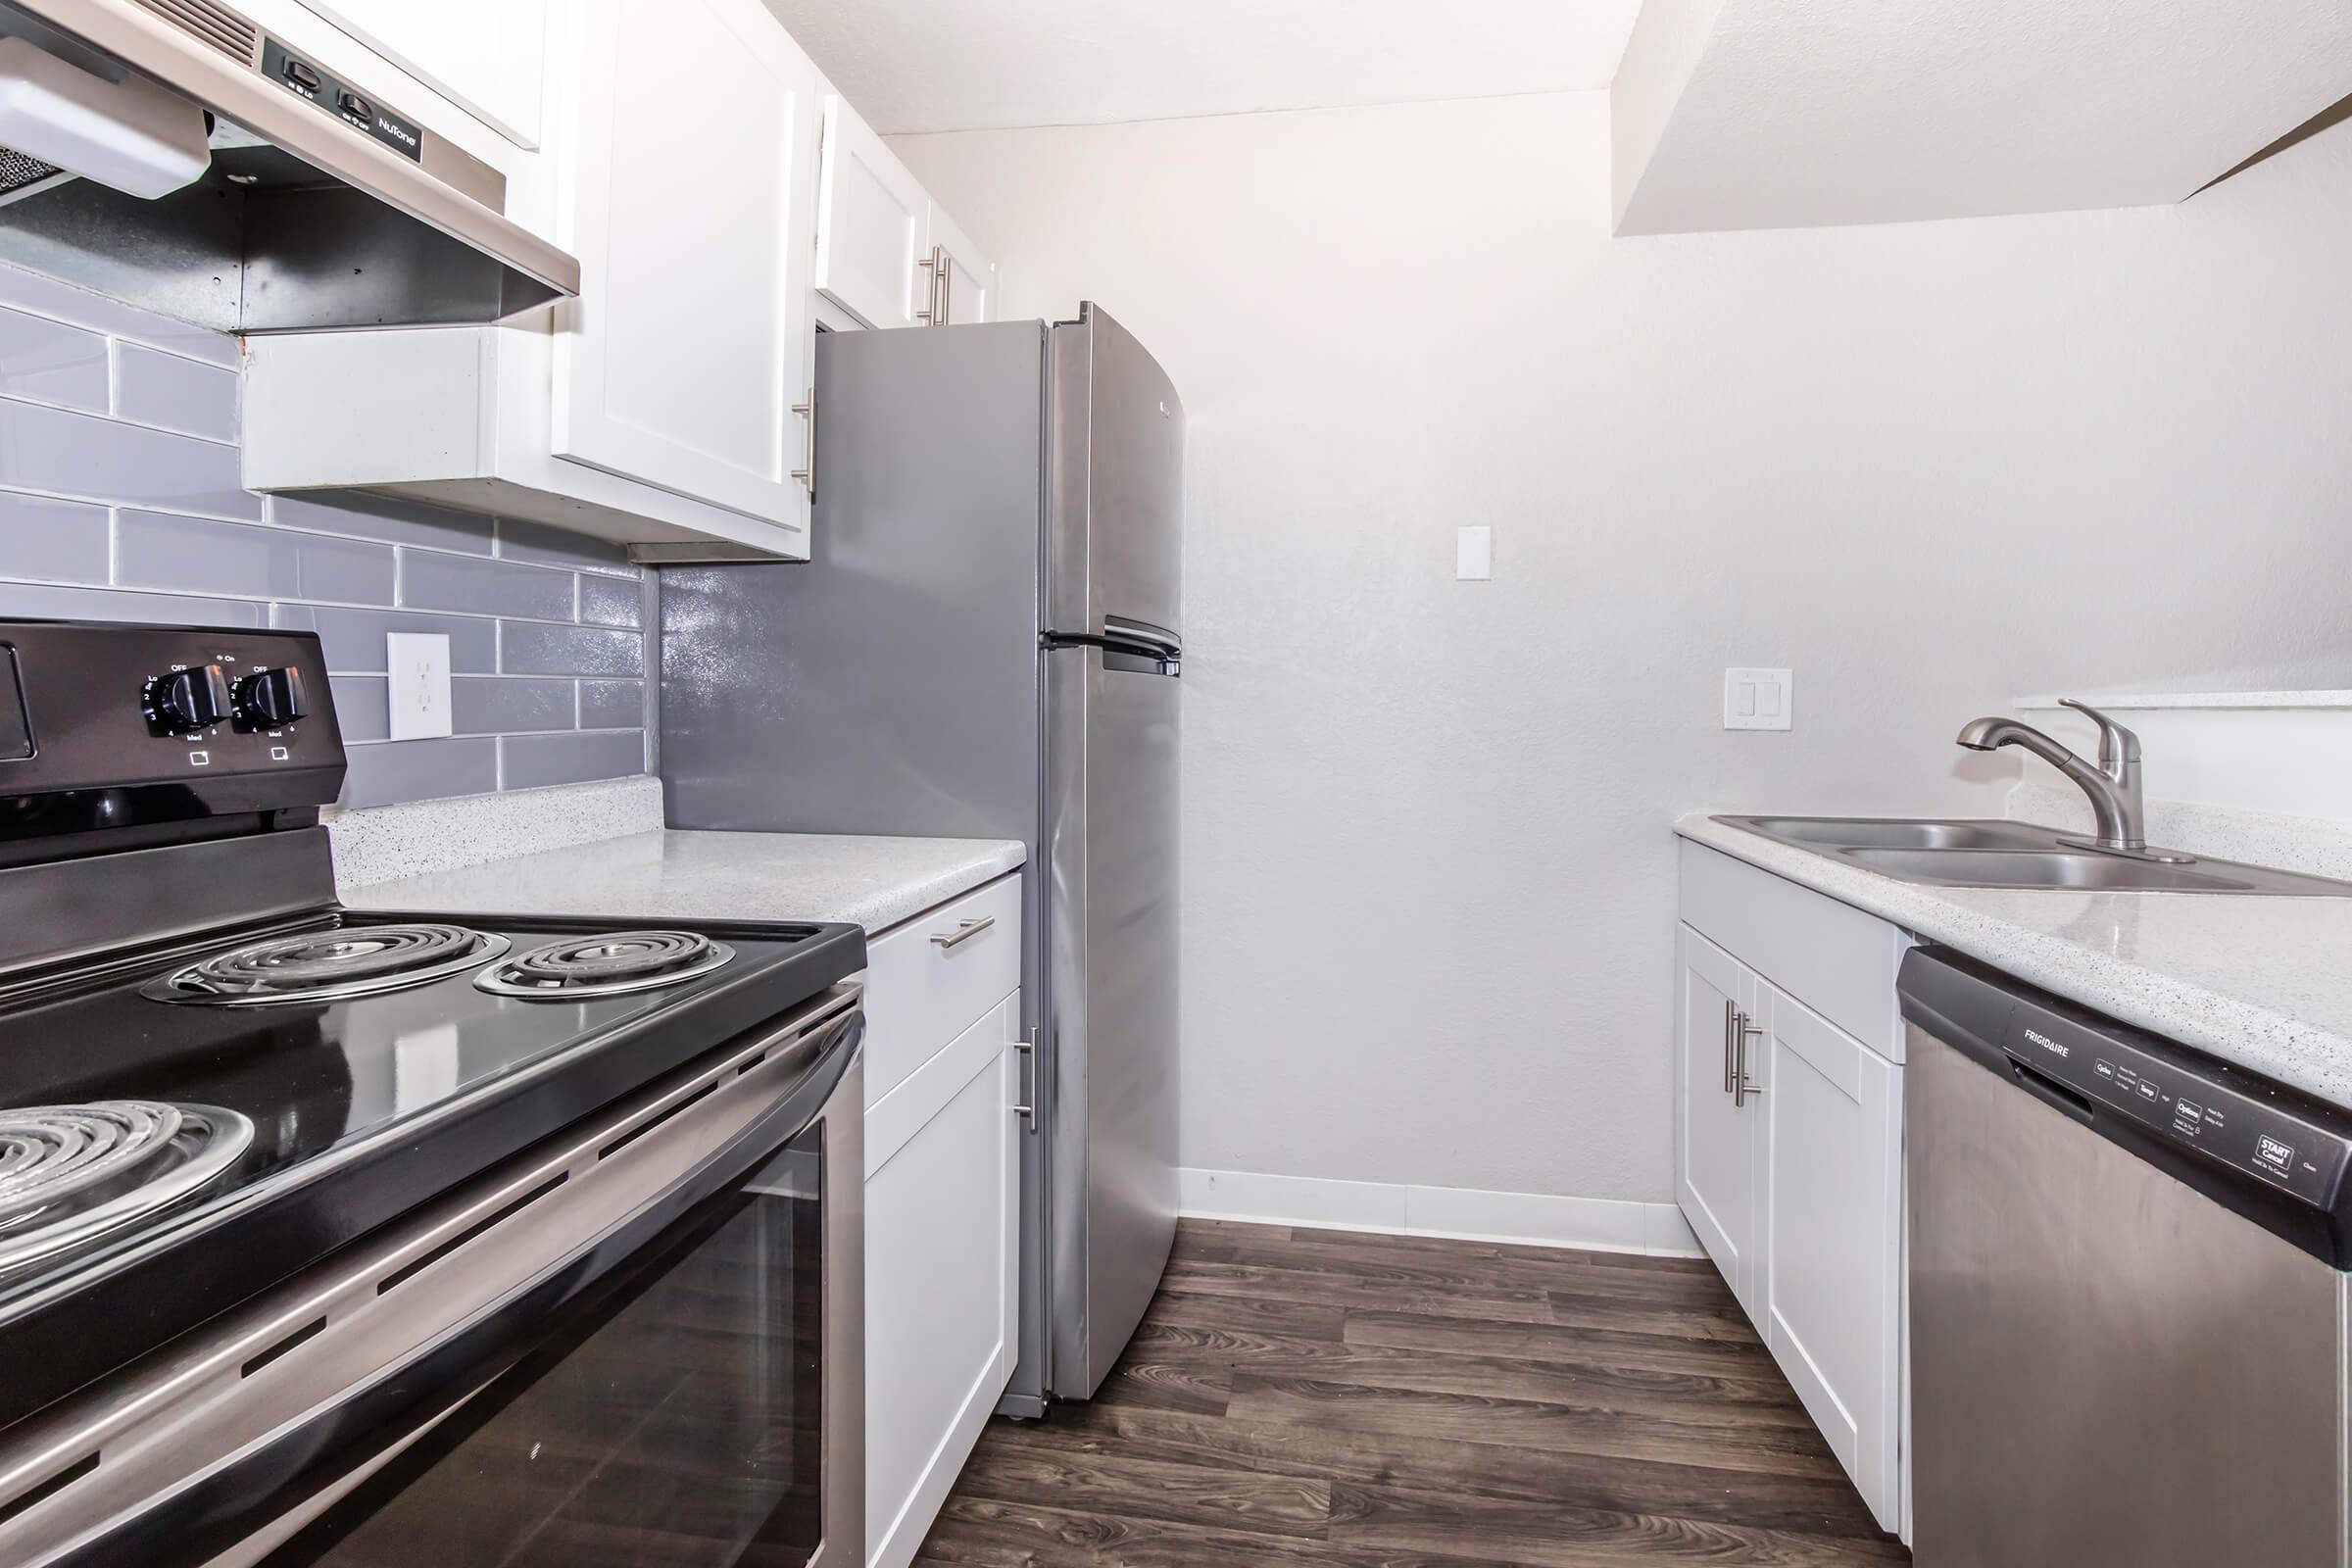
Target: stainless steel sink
[1855,832]
[2049,868]
[2019,855]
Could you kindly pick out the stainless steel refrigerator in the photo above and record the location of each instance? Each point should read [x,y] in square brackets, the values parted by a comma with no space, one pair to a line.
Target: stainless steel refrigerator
[986,642]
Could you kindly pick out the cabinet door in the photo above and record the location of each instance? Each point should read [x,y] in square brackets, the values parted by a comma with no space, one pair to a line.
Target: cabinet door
[966,283]
[873,226]
[942,1249]
[488,57]
[1833,1256]
[1715,1136]
[687,141]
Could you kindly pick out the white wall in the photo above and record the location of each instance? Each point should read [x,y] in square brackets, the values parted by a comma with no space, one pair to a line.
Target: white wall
[1429,890]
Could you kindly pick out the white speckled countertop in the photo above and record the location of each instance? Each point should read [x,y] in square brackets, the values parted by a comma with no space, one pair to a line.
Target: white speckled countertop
[2265,983]
[666,875]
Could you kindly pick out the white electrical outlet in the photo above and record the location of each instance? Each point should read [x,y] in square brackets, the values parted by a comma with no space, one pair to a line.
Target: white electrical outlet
[420,666]
[1473,554]
[1757,699]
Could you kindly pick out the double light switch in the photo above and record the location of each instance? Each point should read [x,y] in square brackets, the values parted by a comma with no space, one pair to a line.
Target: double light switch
[1757,699]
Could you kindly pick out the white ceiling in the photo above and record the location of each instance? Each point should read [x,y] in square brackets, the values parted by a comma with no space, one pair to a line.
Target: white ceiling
[1768,114]
[963,64]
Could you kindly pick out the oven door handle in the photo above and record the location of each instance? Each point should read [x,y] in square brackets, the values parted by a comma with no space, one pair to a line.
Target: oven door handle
[243,1495]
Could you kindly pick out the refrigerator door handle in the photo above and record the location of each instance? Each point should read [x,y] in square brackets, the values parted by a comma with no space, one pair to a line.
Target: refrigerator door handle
[1142,635]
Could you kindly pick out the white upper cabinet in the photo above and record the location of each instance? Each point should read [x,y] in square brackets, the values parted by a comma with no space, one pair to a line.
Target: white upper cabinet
[686,133]
[874,228]
[964,280]
[886,252]
[488,57]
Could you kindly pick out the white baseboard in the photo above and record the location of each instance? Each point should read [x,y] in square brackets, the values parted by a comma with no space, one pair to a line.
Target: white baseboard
[1590,1224]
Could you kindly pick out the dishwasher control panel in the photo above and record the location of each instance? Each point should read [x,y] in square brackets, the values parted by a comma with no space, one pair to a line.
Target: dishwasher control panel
[2226,1116]
[2272,1155]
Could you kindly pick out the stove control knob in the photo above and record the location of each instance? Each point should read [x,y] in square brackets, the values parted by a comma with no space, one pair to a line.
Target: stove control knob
[270,697]
[190,699]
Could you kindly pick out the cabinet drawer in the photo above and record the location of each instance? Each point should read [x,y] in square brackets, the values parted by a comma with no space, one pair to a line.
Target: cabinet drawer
[920,992]
[1838,961]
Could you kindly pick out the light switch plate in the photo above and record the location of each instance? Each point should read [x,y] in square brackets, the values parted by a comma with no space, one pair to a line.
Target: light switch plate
[420,666]
[1473,554]
[1757,699]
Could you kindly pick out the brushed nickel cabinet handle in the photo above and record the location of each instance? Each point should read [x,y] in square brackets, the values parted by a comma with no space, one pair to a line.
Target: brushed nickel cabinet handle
[1028,1050]
[946,273]
[1742,1090]
[932,314]
[964,931]
[806,471]
[1729,1015]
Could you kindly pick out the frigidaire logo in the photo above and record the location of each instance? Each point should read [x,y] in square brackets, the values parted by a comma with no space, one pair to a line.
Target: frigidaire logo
[2047,1044]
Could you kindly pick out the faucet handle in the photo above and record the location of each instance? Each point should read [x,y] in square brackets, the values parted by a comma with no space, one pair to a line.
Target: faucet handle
[2118,745]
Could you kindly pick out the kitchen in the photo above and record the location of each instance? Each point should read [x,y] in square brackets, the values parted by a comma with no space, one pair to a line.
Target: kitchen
[1106,685]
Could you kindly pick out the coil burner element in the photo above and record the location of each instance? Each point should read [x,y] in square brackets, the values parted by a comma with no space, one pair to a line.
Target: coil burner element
[605,965]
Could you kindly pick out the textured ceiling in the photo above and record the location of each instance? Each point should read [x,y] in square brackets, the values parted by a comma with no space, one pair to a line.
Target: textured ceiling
[923,64]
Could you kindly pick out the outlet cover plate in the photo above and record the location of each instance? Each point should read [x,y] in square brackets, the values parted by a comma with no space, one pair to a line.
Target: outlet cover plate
[1757,699]
[420,666]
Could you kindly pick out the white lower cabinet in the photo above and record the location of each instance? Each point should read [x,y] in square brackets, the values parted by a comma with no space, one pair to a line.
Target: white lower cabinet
[942,1224]
[1719,1167]
[1831,1256]
[1789,1141]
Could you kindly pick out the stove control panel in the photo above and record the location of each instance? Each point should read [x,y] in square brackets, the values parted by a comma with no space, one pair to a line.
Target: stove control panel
[116,724]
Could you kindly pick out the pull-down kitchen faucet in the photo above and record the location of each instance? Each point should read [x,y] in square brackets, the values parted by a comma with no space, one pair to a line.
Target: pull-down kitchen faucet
[2113,785]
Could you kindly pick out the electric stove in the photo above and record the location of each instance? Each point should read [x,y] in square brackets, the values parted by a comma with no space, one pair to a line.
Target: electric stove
[213,1076]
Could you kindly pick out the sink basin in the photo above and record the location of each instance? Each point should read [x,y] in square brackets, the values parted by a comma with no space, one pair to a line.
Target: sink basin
[2051,868]
[1852,832]
[1990,854]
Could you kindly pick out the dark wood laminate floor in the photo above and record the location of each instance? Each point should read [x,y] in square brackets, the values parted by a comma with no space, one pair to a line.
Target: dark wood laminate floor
[1320,1400]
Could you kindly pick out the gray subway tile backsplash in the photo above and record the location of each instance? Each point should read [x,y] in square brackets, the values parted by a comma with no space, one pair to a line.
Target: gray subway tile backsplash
[419,770]
[89,456]
[612,704]
[534,760]
[554,546]
[53,541]
[530,648]
[432,580]
[357,515]
[609,602]
[136,515]
[354,639]
[51,362]
[500,705]
[177,393]
[155,550]
[363,706]
[40,601]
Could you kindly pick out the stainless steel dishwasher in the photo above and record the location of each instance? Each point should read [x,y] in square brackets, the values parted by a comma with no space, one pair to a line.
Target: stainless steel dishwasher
[2128,1296]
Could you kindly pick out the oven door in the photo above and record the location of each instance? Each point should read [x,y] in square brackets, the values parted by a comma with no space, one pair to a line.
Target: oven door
[671,1372]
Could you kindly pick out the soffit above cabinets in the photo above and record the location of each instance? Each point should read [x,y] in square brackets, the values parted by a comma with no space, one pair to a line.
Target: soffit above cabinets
[920,66]
[1783,113]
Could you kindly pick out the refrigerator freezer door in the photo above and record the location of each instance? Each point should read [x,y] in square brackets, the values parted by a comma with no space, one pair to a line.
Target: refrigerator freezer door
[1110,831]
[1114,531]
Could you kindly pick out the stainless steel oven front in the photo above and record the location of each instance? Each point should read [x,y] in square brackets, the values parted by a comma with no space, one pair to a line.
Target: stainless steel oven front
[641,1342]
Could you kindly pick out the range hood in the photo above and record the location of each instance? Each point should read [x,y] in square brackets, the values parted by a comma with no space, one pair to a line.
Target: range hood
[320,205]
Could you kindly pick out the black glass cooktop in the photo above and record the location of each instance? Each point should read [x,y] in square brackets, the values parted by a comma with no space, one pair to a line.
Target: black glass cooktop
[411,1090]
